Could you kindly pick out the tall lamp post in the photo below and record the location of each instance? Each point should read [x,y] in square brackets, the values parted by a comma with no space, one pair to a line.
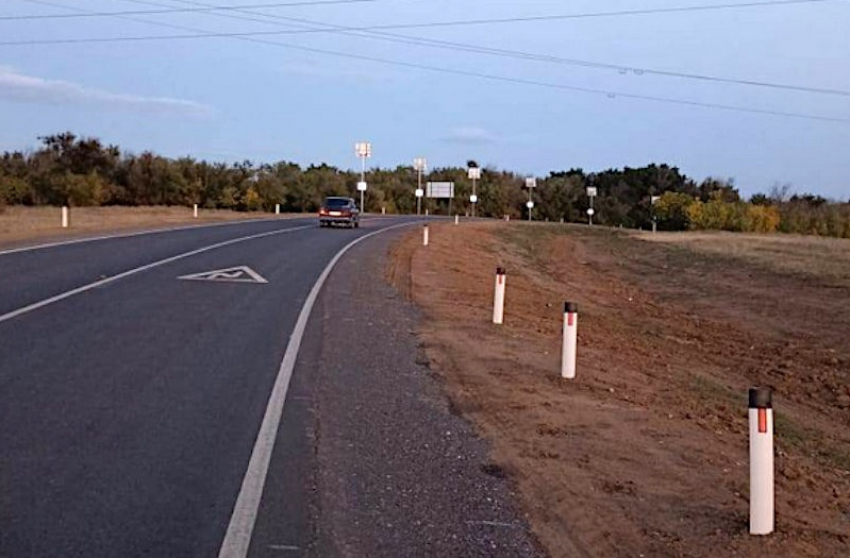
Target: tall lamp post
[474,174]
[591,193]
[531,184]
[420,164]
[363,150]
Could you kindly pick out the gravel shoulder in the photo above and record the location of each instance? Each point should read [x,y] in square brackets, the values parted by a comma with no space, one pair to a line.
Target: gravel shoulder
[397,472]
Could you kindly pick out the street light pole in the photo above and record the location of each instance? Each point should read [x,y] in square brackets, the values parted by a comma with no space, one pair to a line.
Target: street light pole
[420,164]
[474,174]
[364,151]
[530,184]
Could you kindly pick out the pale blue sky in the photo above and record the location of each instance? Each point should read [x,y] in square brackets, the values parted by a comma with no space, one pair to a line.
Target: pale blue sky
[232,99]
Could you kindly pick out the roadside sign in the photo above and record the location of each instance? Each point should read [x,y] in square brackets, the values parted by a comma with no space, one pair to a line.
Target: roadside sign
[530,183]
[440,190]
[473,198]
[474,173]
[590,211]
[529,205]
[591,191]
[419,192]
[361,186]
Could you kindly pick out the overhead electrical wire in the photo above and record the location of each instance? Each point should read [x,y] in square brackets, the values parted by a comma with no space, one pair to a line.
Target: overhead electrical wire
[206,9]
[466,47]
[506,79]
[516,19]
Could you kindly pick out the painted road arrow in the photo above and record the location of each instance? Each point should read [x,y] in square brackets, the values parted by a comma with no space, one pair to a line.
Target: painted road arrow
[241,274]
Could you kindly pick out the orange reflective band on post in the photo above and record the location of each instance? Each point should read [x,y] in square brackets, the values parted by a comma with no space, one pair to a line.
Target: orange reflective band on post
[763,421]
[570,319]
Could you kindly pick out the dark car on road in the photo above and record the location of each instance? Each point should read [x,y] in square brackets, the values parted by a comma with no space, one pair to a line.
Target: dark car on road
[339,211]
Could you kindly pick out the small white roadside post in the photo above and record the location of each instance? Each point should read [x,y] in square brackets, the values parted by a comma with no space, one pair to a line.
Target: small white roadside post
[195,211]
[65,220]
[568,353]
[499,296]
[761,462]
[383,210]
[277,209]
[457,219]
[425,235]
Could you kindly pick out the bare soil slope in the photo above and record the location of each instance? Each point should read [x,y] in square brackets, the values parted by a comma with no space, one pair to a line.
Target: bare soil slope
[645,453]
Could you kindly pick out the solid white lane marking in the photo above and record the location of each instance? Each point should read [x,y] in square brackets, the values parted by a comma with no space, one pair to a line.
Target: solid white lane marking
[239,531]
[132,234]
[241,274]
[107,280]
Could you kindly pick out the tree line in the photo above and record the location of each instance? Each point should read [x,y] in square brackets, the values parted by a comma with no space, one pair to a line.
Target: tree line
[77,171]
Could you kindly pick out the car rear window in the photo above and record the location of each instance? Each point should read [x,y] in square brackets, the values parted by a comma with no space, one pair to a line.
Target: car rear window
[336,203]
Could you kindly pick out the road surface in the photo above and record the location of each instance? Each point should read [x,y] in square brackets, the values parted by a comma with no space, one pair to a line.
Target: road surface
[137,374]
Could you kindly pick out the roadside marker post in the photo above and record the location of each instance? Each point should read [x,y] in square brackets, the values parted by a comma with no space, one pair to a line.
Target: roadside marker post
[568,352]
[457,219]
[277,209]
[65,220]
[499,297]
[762,513]
[196,211]
[425,235]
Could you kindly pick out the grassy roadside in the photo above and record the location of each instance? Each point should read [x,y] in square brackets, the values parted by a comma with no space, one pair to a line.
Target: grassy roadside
[645,453]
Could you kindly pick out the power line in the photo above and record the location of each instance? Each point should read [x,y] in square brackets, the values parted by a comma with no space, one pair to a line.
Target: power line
[206,9]
[468,22]
[506,79]
[466,47]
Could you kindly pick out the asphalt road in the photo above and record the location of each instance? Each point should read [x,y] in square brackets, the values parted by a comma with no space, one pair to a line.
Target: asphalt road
[130,402]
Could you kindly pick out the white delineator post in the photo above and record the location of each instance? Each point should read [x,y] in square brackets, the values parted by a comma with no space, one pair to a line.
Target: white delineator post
[568,353]
[499,296]
[761,462]
[457,219]
[64,216]
[195,211]
[425,235]
[277,209]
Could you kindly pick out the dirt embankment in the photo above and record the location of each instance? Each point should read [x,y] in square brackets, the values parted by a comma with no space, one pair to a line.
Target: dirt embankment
[645,453]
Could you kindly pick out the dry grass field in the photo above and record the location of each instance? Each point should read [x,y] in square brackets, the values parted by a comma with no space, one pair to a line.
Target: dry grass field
[645,453]
[23,224]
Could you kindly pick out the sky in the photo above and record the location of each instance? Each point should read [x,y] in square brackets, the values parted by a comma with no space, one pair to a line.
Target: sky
[553,85]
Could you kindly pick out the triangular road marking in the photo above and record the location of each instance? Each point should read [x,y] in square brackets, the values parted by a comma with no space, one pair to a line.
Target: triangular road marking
[241,274]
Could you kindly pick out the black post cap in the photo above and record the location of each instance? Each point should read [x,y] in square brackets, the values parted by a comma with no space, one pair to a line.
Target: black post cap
[570,308]
[500,271]
[761,398]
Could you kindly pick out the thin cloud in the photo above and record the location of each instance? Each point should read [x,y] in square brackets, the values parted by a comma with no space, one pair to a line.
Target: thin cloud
[18,87]
[470,135]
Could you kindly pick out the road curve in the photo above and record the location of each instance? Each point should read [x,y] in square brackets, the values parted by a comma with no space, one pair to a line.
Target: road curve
[130,399]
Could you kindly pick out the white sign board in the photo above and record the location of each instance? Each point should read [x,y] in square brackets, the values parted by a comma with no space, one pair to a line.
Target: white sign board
[473,198]
[591,191]
[361,186]
[363,149]
[474,173]
[531,183]
[440,190]
[590,211]
[419,192]
[530,205]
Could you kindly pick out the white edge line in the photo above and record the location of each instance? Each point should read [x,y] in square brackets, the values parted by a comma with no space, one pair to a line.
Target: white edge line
[241,527]
[68,294]
[137,233]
